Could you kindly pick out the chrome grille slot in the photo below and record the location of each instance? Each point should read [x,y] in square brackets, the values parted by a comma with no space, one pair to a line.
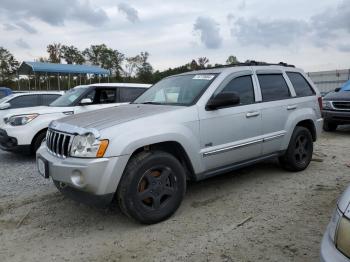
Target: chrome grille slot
[58,143]
[343,105]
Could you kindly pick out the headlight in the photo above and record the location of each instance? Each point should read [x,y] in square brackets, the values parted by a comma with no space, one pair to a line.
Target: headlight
[88,146]
[334,223]
[327,105]
[20,120]
[343,237]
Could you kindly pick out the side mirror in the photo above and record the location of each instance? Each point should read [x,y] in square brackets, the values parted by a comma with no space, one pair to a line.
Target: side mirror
[5,106]
[222,100]
[337,89]
[85,102]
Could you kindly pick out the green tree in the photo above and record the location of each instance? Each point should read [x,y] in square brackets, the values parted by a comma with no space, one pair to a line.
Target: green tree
[144,69]
[8,66]
[202,61]
[72,55]
[105,57]
[232,60]
[54,51]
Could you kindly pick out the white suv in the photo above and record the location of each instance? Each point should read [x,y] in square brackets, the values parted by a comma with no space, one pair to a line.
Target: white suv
[23,130]
[186,127]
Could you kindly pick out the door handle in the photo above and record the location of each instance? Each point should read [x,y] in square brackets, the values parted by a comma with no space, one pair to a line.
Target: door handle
[292,107]
[252,114]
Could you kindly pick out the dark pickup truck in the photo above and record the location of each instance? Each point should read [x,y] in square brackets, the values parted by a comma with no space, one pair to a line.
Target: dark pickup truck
[336,109]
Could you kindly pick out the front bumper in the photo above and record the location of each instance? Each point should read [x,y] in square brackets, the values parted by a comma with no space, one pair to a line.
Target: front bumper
[9,143]
[341,117]
[82,178]
[329,253]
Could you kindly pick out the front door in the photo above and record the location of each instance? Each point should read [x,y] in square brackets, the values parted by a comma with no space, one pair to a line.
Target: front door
[231,135]
[101,97]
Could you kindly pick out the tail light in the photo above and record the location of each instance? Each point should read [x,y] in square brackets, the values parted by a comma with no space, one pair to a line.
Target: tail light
[320,102]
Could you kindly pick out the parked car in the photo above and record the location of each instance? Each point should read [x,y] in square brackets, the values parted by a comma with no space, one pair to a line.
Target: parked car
[26,100]
[186,127]
[335,245]
[4,91]
[24,130]
[336,109]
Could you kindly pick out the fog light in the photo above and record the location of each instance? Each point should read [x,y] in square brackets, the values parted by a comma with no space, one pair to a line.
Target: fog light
[77,178]
[343,237]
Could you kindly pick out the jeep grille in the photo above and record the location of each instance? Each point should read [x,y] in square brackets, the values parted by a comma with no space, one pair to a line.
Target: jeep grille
[58,143]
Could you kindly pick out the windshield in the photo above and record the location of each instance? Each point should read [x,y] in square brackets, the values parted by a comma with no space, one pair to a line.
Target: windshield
[6,98]
[69,98]
[180,90]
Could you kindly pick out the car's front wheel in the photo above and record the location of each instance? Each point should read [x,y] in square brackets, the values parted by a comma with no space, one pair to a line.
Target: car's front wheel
[300,150]
[152,187]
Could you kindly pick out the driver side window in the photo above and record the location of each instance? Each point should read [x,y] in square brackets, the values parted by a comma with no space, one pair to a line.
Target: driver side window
[243,87]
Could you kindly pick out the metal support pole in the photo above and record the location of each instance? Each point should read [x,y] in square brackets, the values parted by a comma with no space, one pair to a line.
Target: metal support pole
[18,85]
[99,78]
[58,80]
[90,79]
[79,79]
[47,82]
[68,81]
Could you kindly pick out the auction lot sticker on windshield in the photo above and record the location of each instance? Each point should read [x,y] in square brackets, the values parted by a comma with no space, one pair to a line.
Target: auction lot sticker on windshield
[203,77]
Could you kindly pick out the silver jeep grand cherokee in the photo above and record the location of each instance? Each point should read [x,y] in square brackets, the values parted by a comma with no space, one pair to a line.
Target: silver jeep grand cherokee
[186,127]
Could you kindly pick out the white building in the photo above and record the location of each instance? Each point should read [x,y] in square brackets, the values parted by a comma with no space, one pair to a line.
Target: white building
[329,80]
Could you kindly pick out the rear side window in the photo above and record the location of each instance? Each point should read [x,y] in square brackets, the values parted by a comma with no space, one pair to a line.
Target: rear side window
[48,99]
[273,87]
[301,86]
[2,94]
[25,101]
[243,87]
[129,94]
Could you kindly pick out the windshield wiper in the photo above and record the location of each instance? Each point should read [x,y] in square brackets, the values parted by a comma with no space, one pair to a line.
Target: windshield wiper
[151,103]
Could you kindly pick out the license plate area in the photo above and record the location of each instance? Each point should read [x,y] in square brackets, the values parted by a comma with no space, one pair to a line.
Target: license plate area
[43,167]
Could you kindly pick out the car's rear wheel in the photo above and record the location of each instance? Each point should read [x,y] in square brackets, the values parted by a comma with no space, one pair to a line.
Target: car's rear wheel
[329,126]
[299,152]
[152,187]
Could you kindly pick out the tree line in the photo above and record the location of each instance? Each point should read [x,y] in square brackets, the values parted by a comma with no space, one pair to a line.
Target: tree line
[122,68]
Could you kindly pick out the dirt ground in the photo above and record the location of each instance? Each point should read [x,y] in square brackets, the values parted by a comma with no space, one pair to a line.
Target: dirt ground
[285,215]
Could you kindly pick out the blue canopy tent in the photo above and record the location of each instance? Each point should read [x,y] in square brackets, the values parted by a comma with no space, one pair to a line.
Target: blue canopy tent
[50,69]
[345,87]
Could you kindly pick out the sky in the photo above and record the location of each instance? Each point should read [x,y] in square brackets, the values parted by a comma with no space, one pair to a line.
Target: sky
[313,34]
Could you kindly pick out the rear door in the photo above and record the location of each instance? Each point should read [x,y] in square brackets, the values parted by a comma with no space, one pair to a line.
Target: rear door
[47,99]
[129,94]
[276,105]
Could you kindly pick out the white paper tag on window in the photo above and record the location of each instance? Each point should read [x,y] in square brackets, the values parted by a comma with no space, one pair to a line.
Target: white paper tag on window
[203,77]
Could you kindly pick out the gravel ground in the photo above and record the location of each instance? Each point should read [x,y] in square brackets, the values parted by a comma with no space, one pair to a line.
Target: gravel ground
[285,215]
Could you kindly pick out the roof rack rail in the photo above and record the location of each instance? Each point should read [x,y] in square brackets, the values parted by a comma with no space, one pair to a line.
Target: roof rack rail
[255,63]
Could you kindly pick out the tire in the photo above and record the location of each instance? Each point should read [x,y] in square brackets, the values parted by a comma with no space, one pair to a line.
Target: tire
[38,139]
[329,126]
[300,149]
[152,187]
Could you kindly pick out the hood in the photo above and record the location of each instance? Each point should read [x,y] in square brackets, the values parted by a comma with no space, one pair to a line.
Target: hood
[104,118]
[41,110]
[338,96]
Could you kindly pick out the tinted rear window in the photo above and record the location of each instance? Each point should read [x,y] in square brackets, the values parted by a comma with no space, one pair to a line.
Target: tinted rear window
[301,86]
[273,87]
[129,94]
